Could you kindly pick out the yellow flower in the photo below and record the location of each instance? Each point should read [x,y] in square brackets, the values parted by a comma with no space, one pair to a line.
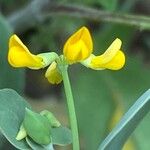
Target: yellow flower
[53,75]
[19,55]
[113,58]
[79,46]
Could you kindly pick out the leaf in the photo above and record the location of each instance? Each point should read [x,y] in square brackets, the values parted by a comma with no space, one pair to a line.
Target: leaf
[61,136]
[36,146]
[9,77]
[128,123]
[1,140]
[12,110]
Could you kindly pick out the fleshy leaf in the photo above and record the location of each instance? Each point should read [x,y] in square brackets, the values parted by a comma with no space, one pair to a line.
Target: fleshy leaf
[36,146]
[128,123]
[12,110]
[61,136]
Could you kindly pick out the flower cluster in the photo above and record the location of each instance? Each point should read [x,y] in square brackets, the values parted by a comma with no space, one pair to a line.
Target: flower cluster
[78,48]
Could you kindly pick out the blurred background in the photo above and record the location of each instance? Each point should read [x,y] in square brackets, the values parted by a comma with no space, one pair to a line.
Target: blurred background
[101,97]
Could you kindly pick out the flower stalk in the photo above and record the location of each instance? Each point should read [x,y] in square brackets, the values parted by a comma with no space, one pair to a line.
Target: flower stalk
[77,49]
[71,108]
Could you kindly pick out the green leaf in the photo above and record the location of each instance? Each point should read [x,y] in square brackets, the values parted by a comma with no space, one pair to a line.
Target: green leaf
[12,110]
[36,146]
[128,123]
[9,77]
[61,136]
[109,4]
[1,140]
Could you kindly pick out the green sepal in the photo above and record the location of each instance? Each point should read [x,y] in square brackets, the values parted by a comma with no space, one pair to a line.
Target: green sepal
[48,58]
[37,127]
[51,118]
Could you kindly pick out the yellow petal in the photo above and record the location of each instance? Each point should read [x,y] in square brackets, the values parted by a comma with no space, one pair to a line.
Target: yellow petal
[20,56]
[113,58]
[53,75]
[112,50]
[117,61]
[79,46]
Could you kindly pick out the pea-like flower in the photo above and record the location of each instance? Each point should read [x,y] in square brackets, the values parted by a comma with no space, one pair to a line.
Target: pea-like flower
[20,56]
[78,48]
[113,58]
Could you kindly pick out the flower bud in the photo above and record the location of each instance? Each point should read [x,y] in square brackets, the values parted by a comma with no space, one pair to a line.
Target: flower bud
[113,58]
[21,134]
[37,127]
[52,74]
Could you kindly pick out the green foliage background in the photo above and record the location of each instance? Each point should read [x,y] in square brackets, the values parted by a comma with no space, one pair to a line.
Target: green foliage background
[97,93]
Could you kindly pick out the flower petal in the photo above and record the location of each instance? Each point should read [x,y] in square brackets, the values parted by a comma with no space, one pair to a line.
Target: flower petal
[53,75]
[20,56]
[79,46]
[116,63]
[113,58]
[111,51]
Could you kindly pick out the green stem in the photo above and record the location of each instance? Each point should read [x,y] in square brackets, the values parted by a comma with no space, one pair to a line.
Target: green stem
[76,11]
[71,108]
[26,18]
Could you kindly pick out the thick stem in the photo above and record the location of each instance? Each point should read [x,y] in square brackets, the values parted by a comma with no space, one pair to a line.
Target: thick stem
[71,108]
